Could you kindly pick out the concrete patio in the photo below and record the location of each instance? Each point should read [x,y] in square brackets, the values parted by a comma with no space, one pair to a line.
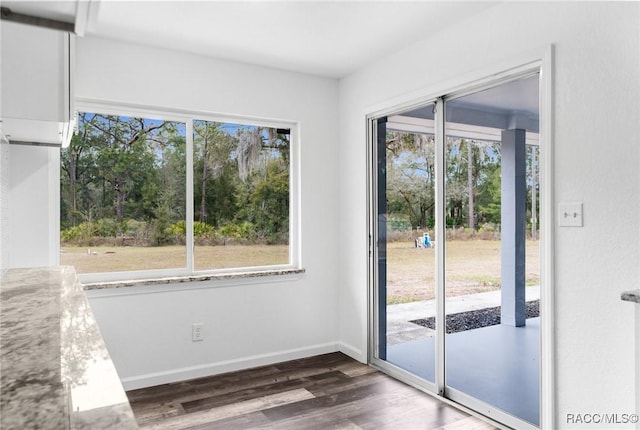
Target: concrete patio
[400,330]
[504,359]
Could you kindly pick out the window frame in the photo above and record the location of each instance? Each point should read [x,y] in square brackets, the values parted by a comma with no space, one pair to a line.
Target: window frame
[188,117]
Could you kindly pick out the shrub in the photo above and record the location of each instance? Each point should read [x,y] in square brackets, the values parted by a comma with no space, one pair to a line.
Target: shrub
[138,231]
[178,229]
[159,233]
[244,230]
[203,229]
[461,233]
[80,234]
[204,234]
[489,231]
[401,235]
[106,227]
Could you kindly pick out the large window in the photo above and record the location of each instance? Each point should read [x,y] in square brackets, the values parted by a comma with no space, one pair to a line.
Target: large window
[137,190]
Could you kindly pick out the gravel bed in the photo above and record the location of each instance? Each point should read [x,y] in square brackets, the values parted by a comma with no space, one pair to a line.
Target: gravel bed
[475,319]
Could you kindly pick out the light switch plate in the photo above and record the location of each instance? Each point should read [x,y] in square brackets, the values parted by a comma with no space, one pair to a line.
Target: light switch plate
[570,214]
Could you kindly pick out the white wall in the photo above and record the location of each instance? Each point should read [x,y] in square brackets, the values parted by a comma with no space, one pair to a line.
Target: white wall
[34,211]
[596,159]
[149,335]
[4,206]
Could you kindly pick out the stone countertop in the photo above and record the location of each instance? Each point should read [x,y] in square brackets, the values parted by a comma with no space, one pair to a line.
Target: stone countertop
[631,296]
[192,278]
[56,370]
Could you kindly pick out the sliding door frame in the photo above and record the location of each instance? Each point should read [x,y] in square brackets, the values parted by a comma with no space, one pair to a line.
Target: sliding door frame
[541,63]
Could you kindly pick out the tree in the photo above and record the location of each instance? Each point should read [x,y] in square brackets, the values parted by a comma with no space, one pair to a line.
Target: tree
[169,205]
[171,173]
[270,199]
[213,147]
[489,195]
[263,169]
[78,170]
[122,168]
[130,174]
[470,186]
[469,165]
[126,155]
[411,176]
[456,184]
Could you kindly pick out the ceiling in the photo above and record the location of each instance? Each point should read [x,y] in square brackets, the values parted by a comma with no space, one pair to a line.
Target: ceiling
[325,38]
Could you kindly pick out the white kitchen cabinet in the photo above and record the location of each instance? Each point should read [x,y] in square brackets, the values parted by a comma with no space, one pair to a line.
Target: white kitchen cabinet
[36,92]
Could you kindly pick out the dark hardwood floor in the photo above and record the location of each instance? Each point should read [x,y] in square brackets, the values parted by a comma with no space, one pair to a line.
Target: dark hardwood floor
[330,391]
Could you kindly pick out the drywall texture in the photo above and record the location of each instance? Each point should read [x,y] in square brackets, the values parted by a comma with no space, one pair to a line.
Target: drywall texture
[595,154]
[149,336]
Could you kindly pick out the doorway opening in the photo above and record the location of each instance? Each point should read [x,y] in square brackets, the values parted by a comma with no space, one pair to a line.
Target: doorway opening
[456,263]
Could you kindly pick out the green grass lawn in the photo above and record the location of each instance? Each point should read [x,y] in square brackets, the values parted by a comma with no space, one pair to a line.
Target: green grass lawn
[128,258]
[472,266]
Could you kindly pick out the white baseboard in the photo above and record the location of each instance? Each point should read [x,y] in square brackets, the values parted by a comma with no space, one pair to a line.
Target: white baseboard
[186,373]
[351,351]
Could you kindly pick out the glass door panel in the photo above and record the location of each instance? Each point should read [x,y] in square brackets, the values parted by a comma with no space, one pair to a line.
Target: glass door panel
[406,241]
[492,331]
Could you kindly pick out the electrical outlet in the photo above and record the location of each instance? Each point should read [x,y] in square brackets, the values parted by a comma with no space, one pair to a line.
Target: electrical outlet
[197,334]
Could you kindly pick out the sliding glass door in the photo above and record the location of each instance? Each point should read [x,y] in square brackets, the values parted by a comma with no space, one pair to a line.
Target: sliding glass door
[456,274]
[406,240]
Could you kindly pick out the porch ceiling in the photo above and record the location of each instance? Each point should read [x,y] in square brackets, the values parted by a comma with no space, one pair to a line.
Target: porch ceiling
[511,105]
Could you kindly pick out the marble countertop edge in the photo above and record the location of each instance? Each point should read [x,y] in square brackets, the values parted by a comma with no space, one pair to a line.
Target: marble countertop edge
[631,296]
[191,278]
[56,370]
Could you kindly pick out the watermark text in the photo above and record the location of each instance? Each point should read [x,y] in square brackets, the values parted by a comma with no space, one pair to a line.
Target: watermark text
[602,418]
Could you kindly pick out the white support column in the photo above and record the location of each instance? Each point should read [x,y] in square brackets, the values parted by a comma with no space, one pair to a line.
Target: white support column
[513,219]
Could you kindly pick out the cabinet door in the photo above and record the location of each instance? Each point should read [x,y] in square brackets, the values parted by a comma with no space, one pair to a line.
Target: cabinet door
[35,73]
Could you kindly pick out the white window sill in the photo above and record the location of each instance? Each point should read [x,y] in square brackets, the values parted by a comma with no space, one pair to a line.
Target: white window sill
[249,275]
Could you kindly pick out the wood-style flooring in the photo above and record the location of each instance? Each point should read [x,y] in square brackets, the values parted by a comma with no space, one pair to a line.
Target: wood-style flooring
[330,391]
